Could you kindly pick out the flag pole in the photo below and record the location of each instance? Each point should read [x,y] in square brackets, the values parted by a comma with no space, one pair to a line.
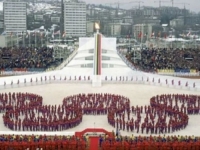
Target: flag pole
[23,38]
[47,38]
[35,39]
[41,39]
[11,39]
[29,38]
[59,38]
[17,40]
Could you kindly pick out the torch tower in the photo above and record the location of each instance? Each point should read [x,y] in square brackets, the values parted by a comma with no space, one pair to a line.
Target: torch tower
[96,81]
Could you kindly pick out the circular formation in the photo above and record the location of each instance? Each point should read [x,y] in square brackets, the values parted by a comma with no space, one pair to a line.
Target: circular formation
[165,114]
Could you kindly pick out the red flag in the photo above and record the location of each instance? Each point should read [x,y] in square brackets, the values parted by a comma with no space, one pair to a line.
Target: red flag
[140,35]
[165,36]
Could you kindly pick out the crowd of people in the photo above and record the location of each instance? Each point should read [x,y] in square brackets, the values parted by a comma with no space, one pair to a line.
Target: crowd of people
[26,57]
[44,142]
[149,142]
[165,114]
[153,59]
[25,111]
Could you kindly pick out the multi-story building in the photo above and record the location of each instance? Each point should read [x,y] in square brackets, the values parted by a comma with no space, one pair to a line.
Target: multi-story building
[115,29]
[15,13]
[142,32]
[75,18]
[177,22]
[90,27]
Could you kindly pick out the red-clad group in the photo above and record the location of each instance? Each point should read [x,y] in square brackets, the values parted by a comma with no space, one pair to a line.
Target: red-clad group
[149,143]
[165,114]
[44,142]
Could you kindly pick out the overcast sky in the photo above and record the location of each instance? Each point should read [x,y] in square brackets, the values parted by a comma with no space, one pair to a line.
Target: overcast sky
[194,4]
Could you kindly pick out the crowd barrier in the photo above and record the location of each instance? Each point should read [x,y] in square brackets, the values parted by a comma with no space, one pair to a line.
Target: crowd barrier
[178,72]
[20,71]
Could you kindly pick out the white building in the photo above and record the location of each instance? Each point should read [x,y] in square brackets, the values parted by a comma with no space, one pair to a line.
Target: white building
[115,29]
[142,32]
[90,27]
[176,22]
[75,18]
[15,19]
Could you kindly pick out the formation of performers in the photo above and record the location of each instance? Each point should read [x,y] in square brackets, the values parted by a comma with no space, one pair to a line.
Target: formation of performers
[33,142]
[165,114]
[149,143]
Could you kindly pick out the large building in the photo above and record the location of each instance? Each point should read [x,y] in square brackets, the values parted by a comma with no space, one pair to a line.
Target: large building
[75,18]
[15,19]
[142,32]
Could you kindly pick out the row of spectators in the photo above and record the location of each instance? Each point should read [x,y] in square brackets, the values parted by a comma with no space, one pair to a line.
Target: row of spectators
[26,57]
[150,143]
[153,59]
[44,142]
